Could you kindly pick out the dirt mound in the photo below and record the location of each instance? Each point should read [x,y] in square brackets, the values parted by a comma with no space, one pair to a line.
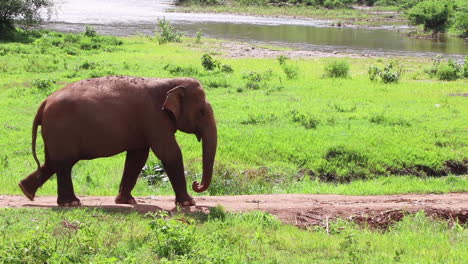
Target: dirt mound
[303,210]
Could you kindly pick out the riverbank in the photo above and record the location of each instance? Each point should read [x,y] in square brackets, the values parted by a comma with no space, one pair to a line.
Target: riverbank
[356,16]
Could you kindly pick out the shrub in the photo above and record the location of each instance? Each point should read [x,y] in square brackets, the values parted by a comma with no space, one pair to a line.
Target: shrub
[211,64]
[337,69]
[167,32]
[432,14]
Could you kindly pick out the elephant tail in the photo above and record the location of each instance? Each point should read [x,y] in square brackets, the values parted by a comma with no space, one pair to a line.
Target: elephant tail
[37,121]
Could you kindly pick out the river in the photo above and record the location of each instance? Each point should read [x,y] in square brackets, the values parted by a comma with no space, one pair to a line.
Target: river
[131,17]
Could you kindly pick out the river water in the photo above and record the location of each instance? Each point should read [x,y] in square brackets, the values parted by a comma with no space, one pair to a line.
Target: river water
[131,17]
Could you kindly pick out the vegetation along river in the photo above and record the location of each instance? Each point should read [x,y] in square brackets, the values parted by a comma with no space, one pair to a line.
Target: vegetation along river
[130,17]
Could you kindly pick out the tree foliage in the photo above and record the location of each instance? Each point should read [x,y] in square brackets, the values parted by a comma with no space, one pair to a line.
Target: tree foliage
[432,14]
[23,13]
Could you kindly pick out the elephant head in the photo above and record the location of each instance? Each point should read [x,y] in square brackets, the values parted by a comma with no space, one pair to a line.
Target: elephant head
[192,113]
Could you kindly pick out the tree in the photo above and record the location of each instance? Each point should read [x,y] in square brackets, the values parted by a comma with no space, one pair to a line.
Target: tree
[432,14]
[23,13]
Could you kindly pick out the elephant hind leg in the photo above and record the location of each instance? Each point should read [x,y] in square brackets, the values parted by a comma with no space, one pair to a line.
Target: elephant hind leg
[66,194]
[35,180]
[134,162]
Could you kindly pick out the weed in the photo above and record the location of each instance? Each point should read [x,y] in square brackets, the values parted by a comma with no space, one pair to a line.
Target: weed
[43,85]
[4,162]
[218,83]
[180,70]
[173,238]
[198,37]
[259,119]
[211,64]
[337,69]
[226,68]
[307,122]
[167,32]
[390,73]
[153,174]
[282,59]
[217,213]
[291,71]
[88,65]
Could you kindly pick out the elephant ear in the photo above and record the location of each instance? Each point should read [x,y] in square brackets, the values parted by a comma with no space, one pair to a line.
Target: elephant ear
[173,101]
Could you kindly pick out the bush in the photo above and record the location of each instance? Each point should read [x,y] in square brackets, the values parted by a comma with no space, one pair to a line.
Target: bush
[23,13]
[211,64]
[447,73]
[390,73]
[432,14]
[43,85]
[167,32]
[90,32]
[337,69]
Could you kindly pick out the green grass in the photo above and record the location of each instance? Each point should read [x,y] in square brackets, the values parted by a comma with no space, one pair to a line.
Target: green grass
[104,236]
[276,134]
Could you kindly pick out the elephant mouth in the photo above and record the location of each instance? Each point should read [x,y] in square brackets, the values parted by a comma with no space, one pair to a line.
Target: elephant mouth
[198,135]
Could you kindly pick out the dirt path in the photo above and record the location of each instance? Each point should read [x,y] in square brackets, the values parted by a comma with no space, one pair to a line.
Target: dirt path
[299,209]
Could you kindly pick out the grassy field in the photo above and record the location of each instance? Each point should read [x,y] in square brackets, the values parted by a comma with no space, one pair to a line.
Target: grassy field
[99,236]
[282,128]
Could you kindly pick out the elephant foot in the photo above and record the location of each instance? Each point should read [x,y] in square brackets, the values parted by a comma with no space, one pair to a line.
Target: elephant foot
[125,199]
[186,202]
[68,202]
[28,191]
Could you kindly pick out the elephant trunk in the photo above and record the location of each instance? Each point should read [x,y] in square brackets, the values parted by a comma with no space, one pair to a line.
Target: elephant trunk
[209,139]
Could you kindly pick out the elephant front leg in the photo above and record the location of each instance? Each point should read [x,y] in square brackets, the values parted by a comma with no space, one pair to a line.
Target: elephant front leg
[134,162]
[171,157]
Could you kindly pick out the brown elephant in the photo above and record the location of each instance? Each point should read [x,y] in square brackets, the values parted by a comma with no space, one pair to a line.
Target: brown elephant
[102,117]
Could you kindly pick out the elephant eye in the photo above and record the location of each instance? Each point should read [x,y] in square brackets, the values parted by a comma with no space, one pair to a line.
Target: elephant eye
[202,112]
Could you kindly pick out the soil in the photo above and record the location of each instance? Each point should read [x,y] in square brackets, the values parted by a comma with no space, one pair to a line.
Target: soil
[303,210]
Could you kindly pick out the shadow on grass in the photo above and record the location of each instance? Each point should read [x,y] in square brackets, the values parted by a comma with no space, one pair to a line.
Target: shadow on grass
[198,212]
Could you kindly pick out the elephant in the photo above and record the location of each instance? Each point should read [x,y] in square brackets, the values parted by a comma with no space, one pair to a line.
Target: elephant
[101,117]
